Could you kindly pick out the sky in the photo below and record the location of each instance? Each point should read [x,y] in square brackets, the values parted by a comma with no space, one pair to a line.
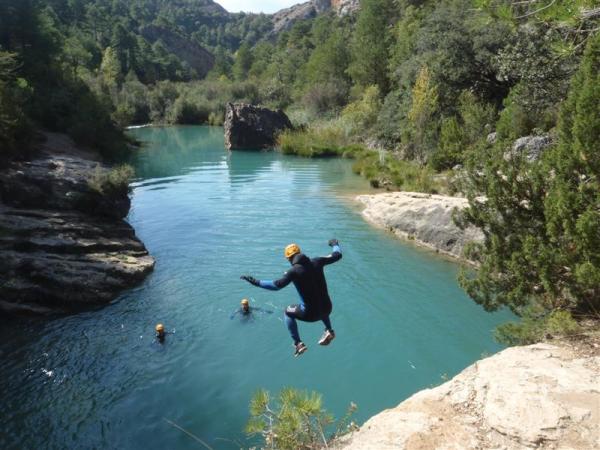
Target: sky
[266,6]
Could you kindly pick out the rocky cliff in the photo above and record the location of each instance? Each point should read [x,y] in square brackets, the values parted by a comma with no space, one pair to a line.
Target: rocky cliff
[63,243]
[422,218]
[284,19]
[537,397]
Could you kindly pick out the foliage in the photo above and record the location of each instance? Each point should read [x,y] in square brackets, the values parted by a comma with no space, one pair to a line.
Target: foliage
[295,420]
[541,219]
[361,115]
[421,115]
[460,135]
[15,129]
[370,44]
[536,326]
[318,140]
[113,182]
[386,170]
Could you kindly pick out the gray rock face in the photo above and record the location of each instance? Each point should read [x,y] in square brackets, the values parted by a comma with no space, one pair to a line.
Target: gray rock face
[284,19]
[422,218]
[63,245]
[530,147]
[253,127]
[536,397]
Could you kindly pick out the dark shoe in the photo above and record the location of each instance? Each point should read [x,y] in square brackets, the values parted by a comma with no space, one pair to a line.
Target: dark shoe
[327,337]
[300,348]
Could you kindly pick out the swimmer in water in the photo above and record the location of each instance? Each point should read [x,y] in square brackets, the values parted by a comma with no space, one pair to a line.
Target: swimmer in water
[160,332]
[248,312]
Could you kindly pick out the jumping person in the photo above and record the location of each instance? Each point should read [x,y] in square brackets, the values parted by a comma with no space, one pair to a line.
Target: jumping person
[309,279]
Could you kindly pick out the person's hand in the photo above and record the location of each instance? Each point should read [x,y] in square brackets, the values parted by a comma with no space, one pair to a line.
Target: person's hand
[250,279]
[333,242]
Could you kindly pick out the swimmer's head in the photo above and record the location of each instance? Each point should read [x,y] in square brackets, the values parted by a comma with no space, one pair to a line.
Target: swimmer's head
[245,305]
[160,330]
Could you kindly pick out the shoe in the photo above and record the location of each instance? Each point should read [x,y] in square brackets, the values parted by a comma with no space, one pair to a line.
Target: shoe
[300,348]
[327,337]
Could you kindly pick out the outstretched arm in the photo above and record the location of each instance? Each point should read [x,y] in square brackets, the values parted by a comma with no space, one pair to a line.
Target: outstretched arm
[270,284]
[336,253]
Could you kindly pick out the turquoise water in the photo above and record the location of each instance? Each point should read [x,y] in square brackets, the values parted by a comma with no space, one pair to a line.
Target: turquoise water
[99,379]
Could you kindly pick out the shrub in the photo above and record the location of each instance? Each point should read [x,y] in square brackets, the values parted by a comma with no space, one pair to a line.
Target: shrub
[320,140]
[360,116]
[295,420]
[324,97]
[113,182]
[534,328]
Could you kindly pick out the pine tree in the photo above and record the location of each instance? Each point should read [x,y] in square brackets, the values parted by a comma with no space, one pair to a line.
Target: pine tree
[541,220]
[370,44]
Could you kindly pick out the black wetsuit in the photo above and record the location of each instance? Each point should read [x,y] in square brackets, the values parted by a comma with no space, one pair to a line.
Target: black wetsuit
[308,277]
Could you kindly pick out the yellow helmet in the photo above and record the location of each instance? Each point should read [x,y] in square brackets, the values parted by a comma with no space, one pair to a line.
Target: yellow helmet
[291,250]
[160,327]
[245,301]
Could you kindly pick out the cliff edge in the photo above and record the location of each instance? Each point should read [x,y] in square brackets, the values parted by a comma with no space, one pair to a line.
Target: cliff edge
[541,396]
[64,243]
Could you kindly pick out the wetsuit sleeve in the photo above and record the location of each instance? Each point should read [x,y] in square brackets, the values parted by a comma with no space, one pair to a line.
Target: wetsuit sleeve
[287,278]
[335,256]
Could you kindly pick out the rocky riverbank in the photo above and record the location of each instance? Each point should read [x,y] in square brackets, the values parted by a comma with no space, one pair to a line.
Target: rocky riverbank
[421,218]
[543,396]
[64,243]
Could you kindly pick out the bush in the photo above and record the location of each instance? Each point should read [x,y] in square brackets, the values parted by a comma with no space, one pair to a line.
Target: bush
[295,420]
[534,328]
[323,98]
[385,170]
[113,182]
[186,112]
[321,140]
[360,116]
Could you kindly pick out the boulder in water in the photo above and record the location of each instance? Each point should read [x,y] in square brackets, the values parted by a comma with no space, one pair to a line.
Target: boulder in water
[253,127]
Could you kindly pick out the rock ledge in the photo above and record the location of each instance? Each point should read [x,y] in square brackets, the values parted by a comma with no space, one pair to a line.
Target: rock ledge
[537,397]
[423,218]
[64,246]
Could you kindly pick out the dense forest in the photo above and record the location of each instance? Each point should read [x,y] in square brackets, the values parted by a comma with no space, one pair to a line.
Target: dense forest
[425,95]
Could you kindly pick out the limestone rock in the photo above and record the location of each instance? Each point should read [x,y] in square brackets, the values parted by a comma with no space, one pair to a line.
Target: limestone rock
[63,245]
[285,18]
[536,397]
[531,147]
[253,127]
[423,218]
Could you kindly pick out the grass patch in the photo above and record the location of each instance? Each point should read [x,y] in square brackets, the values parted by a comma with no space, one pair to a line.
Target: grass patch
[382,169]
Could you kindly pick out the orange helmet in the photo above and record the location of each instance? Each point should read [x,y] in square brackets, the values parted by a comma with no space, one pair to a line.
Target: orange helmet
[291,250]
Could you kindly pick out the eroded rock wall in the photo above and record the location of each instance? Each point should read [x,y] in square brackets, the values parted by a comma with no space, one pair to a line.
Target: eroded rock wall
[64,245]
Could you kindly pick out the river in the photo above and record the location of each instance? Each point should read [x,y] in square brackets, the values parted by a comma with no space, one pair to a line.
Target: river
[100,380]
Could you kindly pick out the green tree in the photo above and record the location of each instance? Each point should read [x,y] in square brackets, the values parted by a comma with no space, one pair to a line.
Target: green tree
[541,219]
[370,44]
[111,68]
[422,115]
[243,62]
[15,130]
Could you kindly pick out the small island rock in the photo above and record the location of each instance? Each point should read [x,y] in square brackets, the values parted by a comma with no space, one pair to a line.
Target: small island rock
[253,127]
